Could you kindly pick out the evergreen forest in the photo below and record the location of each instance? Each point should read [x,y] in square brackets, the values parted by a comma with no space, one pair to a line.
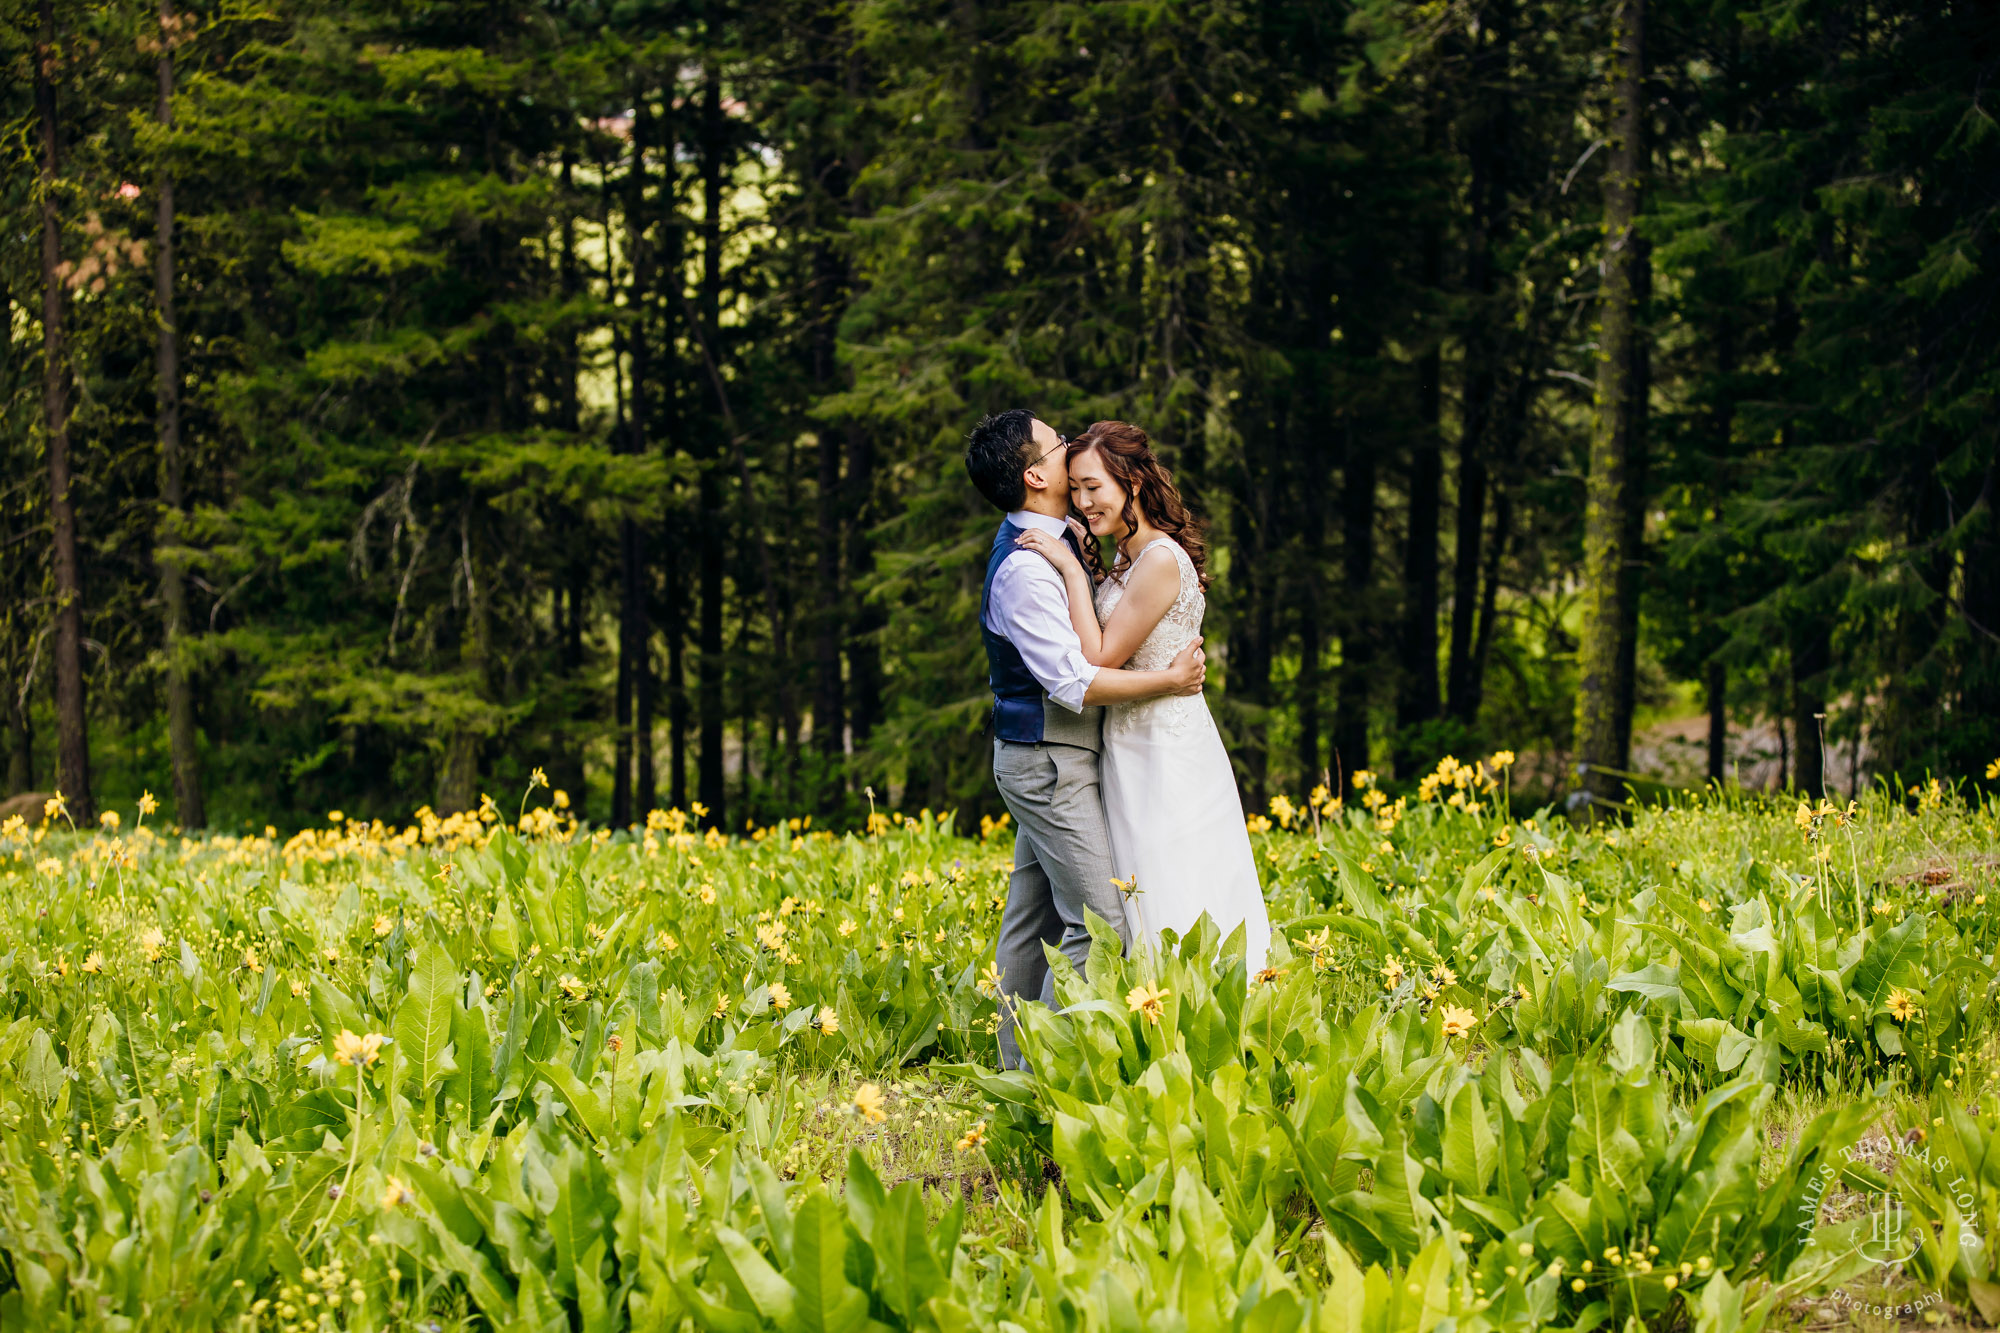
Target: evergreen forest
[403,397]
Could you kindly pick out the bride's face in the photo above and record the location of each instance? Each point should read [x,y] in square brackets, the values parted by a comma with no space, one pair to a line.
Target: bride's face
[1096,494]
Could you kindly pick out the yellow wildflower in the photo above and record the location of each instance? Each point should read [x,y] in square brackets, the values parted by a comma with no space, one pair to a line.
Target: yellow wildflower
[538,778]
[396,1192]
[847,927]
[1270,976]
[298,987]
[829,1022]
[93,963]
[573,986]
[707,894]
[1147,1000]
[383,925]
[1458,1021]
[109,819]
[868,1100]
[352,1050]
[49,866]
[147,805]
[771,936]
[1901,1006]
[781,996]
[335,817]
[973,1139]
[153,941]
[1392,973]
[1443,975]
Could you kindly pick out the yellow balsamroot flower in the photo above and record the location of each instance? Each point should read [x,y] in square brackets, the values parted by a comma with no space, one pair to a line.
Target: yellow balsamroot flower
[335,817]
[781,996]
[973,1139]
[153,941]
[1148,1000]
[331,955]
[1993,771]
[868,1101]
[1257,824]
[1392,973]
[829,1022]
[109,819]
[383,925]
[1283,810]
[989,979]
[147,805]
[771,936]
[847,926]
[707,895]
[1502,759]
[55,805]
[1901,1006]
[573,986]
[538,778]
[395,1193]
[49,866]
[666,941]
[298,987]
[1457,1021]
[1129,887]
[352,1050]
[250,963]
[1270,976]
[1363,779]
[560,799]
[93,963]
[1443,975]
[1503,838]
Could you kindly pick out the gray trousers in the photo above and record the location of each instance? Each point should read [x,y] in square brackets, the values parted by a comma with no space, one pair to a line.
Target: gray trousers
[1062,866]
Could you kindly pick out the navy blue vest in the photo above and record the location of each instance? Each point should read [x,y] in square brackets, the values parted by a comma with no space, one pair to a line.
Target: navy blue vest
[1017,695]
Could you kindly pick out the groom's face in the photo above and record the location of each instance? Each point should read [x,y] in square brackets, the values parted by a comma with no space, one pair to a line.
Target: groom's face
[1051,464]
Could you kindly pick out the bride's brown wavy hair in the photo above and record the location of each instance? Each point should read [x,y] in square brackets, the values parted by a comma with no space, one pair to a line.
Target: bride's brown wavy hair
[1128,456]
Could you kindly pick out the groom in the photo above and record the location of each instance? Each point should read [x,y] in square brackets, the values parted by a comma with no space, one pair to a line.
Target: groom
[1047,716]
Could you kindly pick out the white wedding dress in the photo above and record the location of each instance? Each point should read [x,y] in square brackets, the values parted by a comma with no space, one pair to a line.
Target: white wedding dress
[1170,798]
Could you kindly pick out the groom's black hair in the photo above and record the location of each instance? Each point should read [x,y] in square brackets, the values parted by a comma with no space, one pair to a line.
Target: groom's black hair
[997,453]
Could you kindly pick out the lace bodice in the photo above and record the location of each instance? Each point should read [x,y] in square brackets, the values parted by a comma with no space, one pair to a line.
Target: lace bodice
[1176,628]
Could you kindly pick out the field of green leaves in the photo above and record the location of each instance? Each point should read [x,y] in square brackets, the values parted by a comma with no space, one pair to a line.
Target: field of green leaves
[1729,1063]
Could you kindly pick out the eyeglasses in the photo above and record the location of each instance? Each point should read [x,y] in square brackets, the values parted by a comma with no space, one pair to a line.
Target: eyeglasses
[1062,442]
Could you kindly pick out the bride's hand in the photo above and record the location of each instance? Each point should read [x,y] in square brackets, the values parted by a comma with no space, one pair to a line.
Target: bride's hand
[1052,549]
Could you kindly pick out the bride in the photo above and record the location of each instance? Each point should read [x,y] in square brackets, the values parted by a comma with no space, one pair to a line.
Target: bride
[1170,799]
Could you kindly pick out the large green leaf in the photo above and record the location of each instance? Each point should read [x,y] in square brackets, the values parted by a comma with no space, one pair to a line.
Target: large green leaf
[423,1020]
[1892,961]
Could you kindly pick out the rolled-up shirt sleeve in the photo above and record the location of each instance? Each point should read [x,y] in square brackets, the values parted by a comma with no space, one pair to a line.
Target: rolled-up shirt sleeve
[1030,609]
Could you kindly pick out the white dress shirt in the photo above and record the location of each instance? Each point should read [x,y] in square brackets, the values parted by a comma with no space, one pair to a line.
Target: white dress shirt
[1029,607]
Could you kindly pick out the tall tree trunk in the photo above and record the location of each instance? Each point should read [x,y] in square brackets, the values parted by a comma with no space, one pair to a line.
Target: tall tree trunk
[1417,700]
[72,736]
[1312,627]
[1357,648]
[188,805]
[677,699]
[20,743]
[622,688]
[864,656]
[1812,654]
[1600,652]
[458,781]
[829,698]
[1718,721]
[1489,596]
[713,521]
[1632,504]
[638,635]
[1488,154]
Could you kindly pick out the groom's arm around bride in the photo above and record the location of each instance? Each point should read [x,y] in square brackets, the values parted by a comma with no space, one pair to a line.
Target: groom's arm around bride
[1047,716]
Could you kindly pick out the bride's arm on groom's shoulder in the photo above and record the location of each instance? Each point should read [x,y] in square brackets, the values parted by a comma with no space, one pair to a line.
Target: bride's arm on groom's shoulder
[1077,587]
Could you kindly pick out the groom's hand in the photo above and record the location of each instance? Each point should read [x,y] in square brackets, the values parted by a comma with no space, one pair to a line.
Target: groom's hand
[1189,669]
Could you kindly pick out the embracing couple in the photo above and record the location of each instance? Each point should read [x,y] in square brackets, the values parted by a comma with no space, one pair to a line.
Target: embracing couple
[1123,800]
